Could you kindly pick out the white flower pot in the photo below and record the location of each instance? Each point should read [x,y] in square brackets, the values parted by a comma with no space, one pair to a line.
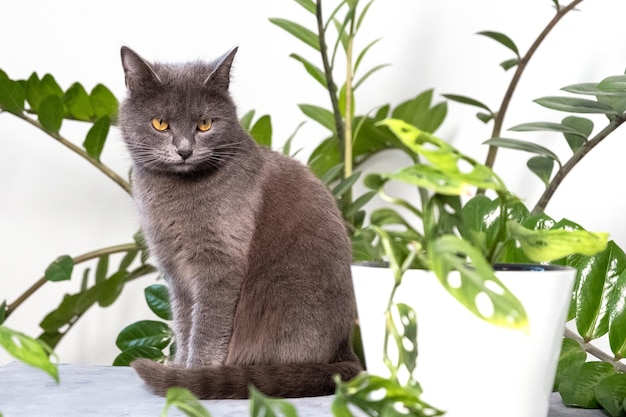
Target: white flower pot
[465,365]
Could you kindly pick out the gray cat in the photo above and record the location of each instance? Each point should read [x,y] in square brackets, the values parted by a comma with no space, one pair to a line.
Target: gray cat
[252,245]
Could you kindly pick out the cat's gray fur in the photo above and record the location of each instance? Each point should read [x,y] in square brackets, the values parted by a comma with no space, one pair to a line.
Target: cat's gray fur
[252,245]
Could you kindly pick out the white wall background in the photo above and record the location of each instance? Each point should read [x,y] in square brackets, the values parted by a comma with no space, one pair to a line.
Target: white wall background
[53,203]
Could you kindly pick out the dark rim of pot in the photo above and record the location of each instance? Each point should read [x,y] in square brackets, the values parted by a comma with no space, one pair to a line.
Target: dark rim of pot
[497,267]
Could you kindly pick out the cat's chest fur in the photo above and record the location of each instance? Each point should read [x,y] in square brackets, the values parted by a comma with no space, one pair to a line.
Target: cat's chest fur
[190,222]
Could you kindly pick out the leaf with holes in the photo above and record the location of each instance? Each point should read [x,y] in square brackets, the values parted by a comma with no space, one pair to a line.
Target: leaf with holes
[185,401]
[28,350]
[263,406]
[404,334]
[578,390]
[478,289]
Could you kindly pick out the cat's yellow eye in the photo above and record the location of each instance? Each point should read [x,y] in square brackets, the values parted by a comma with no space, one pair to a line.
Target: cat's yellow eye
[159,124]
[205,124]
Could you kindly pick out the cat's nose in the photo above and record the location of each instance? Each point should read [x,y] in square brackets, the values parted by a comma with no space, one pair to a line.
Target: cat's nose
[184,153]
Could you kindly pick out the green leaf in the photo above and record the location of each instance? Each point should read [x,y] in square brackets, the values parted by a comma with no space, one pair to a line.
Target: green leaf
[617,316]
[548,245]
[325,157]
[580,124]
[363,52]
[576,105]
[102,268]
[522,145]
[597,277]
[32,91]
[502,39]
[107,291]
[137,352]
[263,406]
[469,101]
[158,300]
[96,137]
[419,113]
[147,333]
[246,120]
[31,351]
[51,112]
[49,87]
[319,114]
[103,102]
[12,96]
[261,132]
[128,259]
[368,74]
[185,401]
[313,70]
[571,358]
[614,84]
[60,269]
[610,393]
[78,103]
[359,203]
[547,126]
[509,63]
[346,185]
[3,311]
[578,390]
[477,282]
[404,334]
[542,167]
[299,31]
[307,4]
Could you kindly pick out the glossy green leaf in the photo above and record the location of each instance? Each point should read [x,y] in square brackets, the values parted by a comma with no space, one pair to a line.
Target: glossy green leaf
[78,103]
[617,316]
[478,289]
[610,394]
[571,358]
[319,114]
[103,102]
[33,96]
[50,114]
[263,406]
[261,131]
[576,105]
[137,352]
[502,39]
[144,333]
[185,401]
[578,390]
[312,69]
[28,350]
[60,270]
[96,137]
[548,245]
[107,291]
[580,124]
[597,277]
[12,96]
[522,145]
[299,31]
[158,300]
[49,87]
[542,167]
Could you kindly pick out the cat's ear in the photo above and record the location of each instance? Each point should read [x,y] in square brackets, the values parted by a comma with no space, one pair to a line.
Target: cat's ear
[220,77]
[137,71]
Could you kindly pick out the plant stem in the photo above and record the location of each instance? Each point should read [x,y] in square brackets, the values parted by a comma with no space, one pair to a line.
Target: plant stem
[80,152]
[330,83]
[521,66]
[77,260]
[573,161]
[595,351]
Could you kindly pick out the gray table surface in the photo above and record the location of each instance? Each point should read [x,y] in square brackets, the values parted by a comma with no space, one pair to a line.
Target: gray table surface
[116,391]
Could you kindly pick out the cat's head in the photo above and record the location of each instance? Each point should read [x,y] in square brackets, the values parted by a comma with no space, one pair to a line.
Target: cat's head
[179,118]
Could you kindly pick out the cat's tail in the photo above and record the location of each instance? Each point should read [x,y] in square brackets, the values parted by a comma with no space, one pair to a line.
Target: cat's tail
[229,381]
